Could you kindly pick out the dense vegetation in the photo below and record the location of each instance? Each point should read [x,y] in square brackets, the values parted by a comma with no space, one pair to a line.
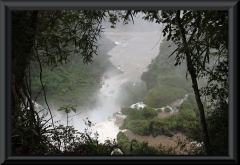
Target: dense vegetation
[145,121]
[131,93]
[50,38]
[72,79]
[135,147]
[165,83]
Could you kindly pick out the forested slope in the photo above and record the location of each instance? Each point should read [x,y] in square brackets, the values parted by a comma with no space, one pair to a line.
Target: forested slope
[165,82]
[73,82]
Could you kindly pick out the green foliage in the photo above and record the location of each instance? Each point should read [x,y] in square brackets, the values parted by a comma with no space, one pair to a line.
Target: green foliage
[126,111]
[121,135]
[68,32]
[68,108]
[123,142]
[54,37]
[131,93]
[149,113]
[190,103]
[159,110]
[28,138]
[162,69]
[134,147]
[161,95]
[132,114]
[165,82]
[175,80]
[201,36]
[71,79]
[218,127]
[167,109]
[185,105]
[143,148]
[71,142]
[62,82]
[145,122]
[188,114]
[140,127]
[191,98]
[157,127]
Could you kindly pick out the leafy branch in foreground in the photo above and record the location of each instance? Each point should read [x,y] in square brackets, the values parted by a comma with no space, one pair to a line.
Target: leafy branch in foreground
[69,141]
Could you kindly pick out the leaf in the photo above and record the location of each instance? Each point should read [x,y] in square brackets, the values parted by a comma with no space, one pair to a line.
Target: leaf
[34,132]
[74,110]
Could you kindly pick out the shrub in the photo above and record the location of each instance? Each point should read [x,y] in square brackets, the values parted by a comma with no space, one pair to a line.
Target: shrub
[140,127]
[167,109]
[188,114]
[138,148]
[121,136]
[132,114]
[148,112]
[156,127]
[186,105]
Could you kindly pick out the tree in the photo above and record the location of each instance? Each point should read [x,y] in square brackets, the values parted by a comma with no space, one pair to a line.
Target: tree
[48,37]
[68,109]
[194,33]
[148,112]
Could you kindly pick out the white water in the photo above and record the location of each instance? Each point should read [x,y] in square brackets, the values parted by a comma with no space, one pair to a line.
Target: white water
[132,54]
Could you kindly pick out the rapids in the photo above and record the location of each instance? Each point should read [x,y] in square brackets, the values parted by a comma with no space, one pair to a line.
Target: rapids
[132,54]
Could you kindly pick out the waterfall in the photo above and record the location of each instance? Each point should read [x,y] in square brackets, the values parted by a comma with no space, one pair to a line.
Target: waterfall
[39,108]
[185,97]
[138,105]
[129,55]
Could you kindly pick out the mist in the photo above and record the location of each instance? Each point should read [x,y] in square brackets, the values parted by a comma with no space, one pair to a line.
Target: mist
[138,24]
[132,49]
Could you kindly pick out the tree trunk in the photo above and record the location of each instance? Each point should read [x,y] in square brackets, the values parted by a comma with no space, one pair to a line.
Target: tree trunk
[23,37]
[193,75]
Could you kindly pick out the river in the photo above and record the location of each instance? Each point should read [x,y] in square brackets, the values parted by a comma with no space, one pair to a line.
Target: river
[132,54]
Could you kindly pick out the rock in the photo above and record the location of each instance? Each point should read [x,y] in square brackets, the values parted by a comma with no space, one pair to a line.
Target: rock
[116,151]
[197,144]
